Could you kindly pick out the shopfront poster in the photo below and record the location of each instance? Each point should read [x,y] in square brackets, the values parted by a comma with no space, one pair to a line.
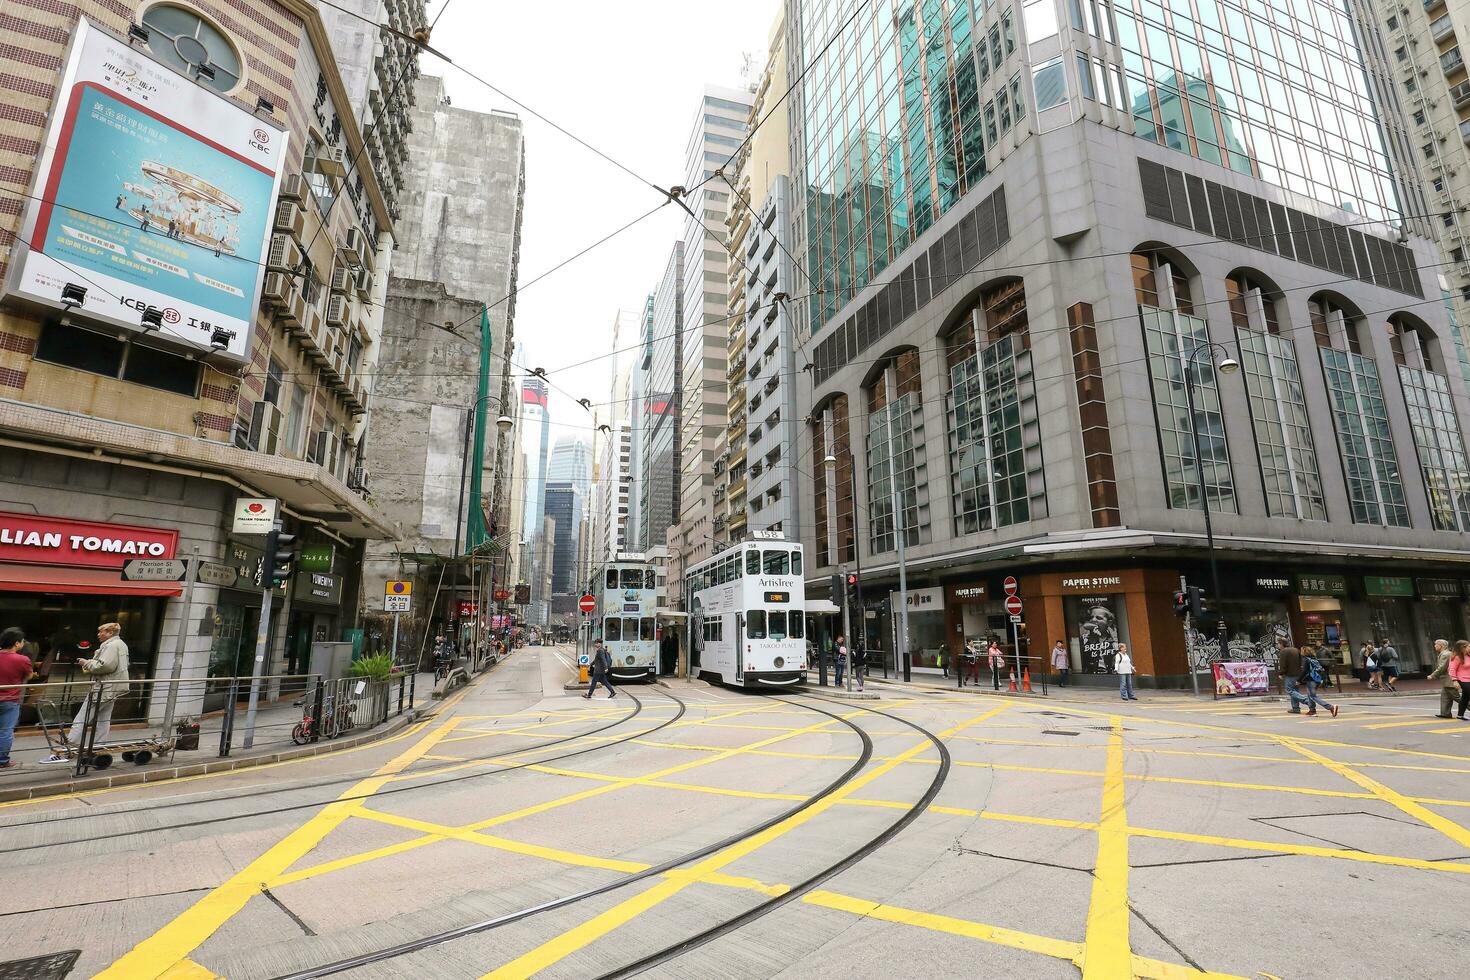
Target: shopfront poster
[151,191]
[1097,632]
[1235,677]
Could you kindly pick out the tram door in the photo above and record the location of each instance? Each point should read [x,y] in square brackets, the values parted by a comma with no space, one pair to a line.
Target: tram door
[739,645]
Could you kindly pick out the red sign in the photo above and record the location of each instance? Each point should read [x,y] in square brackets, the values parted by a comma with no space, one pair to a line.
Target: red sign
[467,609]
[60,541]
[587,603]
[1011,585]
[502,594]
[1013,605]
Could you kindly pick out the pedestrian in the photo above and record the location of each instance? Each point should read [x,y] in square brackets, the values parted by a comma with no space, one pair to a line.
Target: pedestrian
[1371,667]
[859,663]
[15,670]
[1289,669]
[1313,673]
[1388,662]
[996,657]
[839,653]
[145,217]
[972,663]
[1061,662]
[109,671]
[1460,668]
[1449,688]
[601,665]
[1123,667]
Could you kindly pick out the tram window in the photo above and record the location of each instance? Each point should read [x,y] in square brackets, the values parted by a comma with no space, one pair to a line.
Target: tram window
[796,626]
[646,628]
[612,578]
[648,582]
[796,563]
[777,622]
[778,562]
[630,628]
[612,629]
[755,624]
[752,563]
[632,578]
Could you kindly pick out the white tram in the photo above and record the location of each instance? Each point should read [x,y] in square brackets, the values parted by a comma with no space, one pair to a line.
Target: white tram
[746,608]
[626,606]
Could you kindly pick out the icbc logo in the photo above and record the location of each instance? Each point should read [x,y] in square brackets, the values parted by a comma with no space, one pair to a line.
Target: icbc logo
[261,136]
[171,315]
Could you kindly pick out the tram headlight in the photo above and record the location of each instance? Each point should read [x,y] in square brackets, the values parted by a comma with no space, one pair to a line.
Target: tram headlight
[780,662]
[628,660]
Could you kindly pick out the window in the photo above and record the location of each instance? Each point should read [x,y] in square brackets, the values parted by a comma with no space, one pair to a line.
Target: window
[86,351]
[795,626]
[777,562]
[295,419]
[273,374]
[632,578]
[647,630]
[1402,54]
[895,436]
[1050,81]
[1393,23]
[795,562]
[777,624]
[630,628]
[612,629]
[183,40]
[612,578]
[752,562]
[755,624]
[1419,117]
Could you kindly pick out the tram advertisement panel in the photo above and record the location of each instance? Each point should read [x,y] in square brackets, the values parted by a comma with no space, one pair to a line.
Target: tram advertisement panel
[152,191]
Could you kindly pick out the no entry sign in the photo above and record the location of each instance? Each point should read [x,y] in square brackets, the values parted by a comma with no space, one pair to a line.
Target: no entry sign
[1013,605]
[1011,585]
[587,603]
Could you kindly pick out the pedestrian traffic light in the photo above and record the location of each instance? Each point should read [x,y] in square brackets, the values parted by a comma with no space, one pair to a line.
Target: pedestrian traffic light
[1196,601]
[1181,603]
[852,580]
[280,556]
[839,593]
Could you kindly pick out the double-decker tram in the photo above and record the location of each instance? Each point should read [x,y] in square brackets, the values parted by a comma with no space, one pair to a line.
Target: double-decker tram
[747,606]
[626,605]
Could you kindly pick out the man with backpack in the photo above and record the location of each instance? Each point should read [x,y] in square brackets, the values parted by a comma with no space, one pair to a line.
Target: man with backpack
[1313,673]
[600,667]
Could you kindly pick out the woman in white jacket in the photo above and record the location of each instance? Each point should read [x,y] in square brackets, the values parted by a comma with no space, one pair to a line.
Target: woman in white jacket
[1123,667]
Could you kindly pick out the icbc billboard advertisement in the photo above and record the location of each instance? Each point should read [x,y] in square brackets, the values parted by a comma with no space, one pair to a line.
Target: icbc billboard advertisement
[151,190]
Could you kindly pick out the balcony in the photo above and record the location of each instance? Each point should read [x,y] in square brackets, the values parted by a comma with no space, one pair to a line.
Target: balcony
[1465,131]
[1442,28]
[1452,61]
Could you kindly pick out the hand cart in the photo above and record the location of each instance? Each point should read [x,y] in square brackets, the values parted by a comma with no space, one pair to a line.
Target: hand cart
[139,751]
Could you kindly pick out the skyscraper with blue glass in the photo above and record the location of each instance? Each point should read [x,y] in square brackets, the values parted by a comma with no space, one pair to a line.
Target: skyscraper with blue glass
[1101,290]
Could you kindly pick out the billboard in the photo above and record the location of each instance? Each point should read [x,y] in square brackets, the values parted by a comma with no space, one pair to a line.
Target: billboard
[151,191]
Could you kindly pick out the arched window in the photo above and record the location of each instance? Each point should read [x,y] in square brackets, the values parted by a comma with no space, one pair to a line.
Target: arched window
[895,445]
[995,465]
[1438,439]
[1334,323]
[185,41]
[834,489]
[1289,473]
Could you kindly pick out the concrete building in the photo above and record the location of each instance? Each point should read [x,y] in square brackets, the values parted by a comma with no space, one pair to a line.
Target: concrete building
[379,66]
[1014,329]
[717,131]
[566,507]
[535,441]
[135,413]
[657,412]
[762,371]
[639,376]
[571,462]
[612,444]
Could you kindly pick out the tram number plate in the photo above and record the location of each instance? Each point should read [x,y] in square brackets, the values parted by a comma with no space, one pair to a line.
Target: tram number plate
[778,596]
[631,607]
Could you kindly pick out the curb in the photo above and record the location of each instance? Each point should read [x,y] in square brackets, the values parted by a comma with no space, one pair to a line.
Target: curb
[179,771]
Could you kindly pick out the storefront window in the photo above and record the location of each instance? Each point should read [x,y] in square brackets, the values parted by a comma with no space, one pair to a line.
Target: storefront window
[1095,626]
[926,636]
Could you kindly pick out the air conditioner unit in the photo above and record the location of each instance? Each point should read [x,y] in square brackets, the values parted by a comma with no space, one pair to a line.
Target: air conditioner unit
[332,162]
[337,312]
[358,479]
[290,219]
[265,428]
[363,281]
[293,188]
[341,279]
[292,312]
[352,249]
[311,330]
[276,289]
[284,254]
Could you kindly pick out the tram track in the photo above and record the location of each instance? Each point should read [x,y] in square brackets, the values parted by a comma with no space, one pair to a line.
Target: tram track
[500,921]
[301,787]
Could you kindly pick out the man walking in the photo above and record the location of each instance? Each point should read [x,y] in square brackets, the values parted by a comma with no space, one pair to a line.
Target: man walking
[1388,662]
[1449,689]
[839,651]
[15,670]
[1313,674]
[1061,662]
[109,671]
[601,665]
[1289,669]
[859,663]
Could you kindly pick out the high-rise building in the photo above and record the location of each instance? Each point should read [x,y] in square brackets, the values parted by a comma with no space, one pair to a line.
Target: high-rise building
[571,462]
[612,445]
[536,443]
[1067,327]
[762,487]
[639,376]
[565,506]
[657,412]
[717,131]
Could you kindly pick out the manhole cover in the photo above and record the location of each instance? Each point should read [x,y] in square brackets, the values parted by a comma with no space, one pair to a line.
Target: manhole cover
[52,966]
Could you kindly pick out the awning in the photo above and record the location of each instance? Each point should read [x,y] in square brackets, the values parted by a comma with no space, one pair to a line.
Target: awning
[824,607]
[671,614]
[77,581]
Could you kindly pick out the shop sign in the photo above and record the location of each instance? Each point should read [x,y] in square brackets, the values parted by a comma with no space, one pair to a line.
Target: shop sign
[1271,583]
[60,541]
[1320,583]
[921,600]
[967,593]
[1440,588]
[523,594]
[466,609]
[254,515]
[248,562]
[317,558]
[319,587]
[1092,583]
[1389,585]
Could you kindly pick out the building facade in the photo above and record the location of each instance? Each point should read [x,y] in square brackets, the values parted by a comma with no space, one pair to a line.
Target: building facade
[657,410]
[536,443]
[1022,293]
[135,408]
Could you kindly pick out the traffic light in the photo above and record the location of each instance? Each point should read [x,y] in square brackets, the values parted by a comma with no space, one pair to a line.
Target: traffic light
[852,580]
[1196,601]
[1181,603]
[839,592]
[280,557]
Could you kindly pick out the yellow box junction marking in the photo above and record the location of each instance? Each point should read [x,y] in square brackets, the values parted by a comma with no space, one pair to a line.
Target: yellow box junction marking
[1107,954]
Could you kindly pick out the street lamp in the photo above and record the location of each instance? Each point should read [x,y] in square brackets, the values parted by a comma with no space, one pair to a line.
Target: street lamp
[1227,365]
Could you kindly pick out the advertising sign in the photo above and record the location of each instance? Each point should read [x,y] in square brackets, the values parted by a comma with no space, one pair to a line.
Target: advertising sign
[319,587]
[1241,677]
[254,515]
[151,190]
[1097,633]
[523,594]
[60,541]
[317,557]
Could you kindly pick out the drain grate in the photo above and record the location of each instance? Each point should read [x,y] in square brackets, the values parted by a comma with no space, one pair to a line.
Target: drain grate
[1050,731]
[52,966]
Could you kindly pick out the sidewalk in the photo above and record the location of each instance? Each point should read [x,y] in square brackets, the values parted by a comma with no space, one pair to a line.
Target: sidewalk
[273,724]
[1351,688]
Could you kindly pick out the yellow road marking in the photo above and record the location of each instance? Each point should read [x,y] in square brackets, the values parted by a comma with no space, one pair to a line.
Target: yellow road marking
[1461,730]
[175,941]
[558,948]
[1401,724]
[1107,953]
[1275,847]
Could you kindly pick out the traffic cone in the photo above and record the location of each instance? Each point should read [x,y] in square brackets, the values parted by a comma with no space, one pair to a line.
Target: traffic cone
[1026,680]
[1012,688]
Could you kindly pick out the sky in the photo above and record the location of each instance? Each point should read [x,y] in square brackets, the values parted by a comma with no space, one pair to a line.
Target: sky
[627,79]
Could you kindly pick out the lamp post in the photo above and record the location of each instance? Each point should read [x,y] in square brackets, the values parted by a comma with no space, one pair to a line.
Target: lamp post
[1227,365]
